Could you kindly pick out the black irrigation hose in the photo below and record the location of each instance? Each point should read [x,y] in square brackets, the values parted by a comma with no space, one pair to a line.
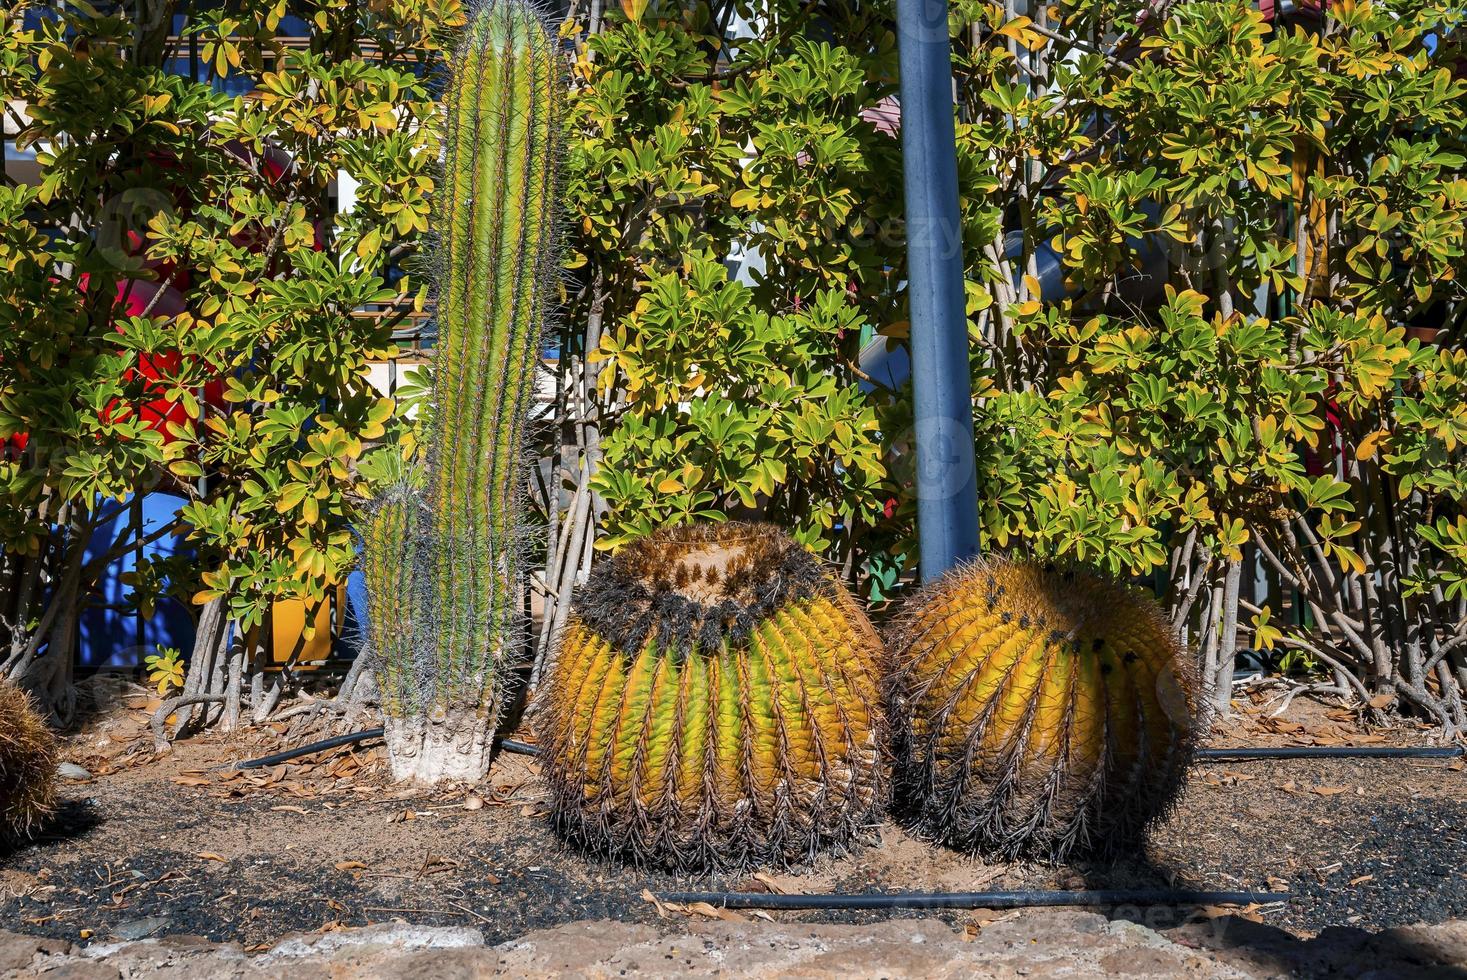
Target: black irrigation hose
[1203,755]
[518,748]
[321,746]
[974,900]
[1332,752]
[507,744]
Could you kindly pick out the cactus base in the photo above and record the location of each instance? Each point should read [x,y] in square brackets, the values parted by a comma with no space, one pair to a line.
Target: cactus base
[447,746]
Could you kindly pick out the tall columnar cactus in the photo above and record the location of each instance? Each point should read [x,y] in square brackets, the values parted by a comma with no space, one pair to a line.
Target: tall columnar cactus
[714,703]
[1038,710]
[443,560]
[27,765]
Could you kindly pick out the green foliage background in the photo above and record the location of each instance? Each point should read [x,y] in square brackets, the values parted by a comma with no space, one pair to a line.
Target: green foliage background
[1266,403]
[1269,424]
[149,176]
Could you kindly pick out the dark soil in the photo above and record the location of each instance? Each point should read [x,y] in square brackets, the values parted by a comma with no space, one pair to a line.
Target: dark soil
[180,845]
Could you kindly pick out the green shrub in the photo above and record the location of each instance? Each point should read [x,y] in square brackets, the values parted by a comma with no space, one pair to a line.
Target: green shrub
[1261,409]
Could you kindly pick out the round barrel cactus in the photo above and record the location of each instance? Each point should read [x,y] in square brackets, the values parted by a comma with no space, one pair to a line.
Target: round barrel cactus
[714,703]
[1038,710]
[27,764]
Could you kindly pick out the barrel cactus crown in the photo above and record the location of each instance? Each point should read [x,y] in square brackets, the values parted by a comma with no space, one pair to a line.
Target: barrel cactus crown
[27,765]
[715,703]
[1038,711]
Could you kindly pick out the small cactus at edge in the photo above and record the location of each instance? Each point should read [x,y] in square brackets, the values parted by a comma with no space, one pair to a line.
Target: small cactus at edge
[1038,710]
[442,554]
[28,760]
[715,703]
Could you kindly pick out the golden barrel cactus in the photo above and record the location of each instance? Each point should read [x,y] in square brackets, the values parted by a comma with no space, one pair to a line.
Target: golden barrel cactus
[1038,710]
[28,759]
[715,703]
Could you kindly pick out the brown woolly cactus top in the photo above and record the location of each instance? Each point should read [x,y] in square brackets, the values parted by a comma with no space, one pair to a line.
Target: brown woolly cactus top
[698,587]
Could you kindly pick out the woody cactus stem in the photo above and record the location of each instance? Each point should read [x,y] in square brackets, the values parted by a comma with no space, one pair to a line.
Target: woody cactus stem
[446,571]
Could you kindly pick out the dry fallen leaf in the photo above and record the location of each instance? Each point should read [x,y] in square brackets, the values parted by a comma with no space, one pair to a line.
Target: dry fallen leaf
[664,909]
[768,882]
[210,856]
[1361,880]
[714,912]
[291,809]
[191,780]
[1330,790]
[349,865]
[647,896]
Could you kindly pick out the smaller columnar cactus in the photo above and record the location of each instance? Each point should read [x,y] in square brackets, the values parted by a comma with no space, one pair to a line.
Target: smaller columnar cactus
[1038,710]
[715,703]
[28,758]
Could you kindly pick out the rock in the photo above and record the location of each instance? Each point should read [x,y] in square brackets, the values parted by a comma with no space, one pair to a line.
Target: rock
[139,928]
[17,951]
[553,951]
[395,936]
[1032,943]
[1419,951]
[1445,942]
[1039,943]
[80,970]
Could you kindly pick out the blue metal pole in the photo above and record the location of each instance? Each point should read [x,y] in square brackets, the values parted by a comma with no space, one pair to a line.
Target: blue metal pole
[947,490]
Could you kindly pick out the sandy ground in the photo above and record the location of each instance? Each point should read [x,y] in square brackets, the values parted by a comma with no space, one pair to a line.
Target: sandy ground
[183,845]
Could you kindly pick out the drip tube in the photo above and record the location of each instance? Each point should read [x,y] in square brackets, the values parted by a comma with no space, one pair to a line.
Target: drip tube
[974,900]
[1241,754]
[321,746]
[1332,752]
[506,744]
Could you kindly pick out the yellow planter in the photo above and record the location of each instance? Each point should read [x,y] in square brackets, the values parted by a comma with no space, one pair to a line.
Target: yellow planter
[287,623]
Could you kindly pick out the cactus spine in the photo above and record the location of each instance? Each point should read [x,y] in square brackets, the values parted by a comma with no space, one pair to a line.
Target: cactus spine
[1038,710]
[443,563]
[27,765]
[714,703]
